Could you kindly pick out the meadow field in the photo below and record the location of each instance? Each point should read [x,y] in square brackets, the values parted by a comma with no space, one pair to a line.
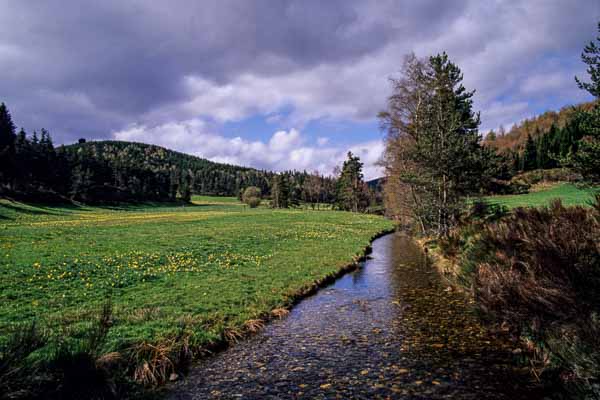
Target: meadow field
[569,194]
[212,269]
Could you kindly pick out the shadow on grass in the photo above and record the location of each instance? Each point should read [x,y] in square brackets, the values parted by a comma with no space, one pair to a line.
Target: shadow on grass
[63,209]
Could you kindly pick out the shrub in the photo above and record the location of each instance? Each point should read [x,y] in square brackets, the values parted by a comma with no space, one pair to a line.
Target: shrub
[538,269]
[251,196]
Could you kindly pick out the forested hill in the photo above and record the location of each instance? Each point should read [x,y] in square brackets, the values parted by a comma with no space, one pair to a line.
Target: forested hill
[33,169]
[153,172]
[542,142]
[516,137]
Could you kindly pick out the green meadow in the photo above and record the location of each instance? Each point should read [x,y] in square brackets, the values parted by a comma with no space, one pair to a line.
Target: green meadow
[569,194]
[212,267]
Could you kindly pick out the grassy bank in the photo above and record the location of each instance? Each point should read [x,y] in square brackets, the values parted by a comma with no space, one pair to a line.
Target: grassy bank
[568,193]
[197,274]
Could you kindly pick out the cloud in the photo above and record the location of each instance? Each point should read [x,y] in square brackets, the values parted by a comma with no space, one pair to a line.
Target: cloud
[159,71]
[322,141]
[283,151]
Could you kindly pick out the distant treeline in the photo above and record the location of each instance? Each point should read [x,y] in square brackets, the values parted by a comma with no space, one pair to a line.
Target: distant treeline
[32,168]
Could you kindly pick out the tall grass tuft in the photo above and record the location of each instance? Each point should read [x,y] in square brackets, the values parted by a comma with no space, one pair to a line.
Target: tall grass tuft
[14,353]
[35,365]
[538,270]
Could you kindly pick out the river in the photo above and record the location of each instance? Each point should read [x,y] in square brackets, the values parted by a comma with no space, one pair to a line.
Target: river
[388,330]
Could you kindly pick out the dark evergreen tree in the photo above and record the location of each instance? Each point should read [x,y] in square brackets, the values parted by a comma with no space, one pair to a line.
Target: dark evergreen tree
[7,147]
[186,185]
[530,154]
[591,57]
[280,191]
[586,159]
[350,185]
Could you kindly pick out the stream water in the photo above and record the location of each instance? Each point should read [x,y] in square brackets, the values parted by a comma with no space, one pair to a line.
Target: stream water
[388,330]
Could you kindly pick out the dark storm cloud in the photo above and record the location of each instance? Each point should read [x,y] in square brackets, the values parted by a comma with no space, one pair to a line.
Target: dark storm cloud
[91,68]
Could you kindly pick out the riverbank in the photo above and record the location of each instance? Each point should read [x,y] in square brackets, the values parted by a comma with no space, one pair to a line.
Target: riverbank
[385,330]
[533,272]
[181,281]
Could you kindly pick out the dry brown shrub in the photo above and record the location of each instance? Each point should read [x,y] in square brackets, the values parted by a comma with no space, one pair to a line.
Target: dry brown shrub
[232,335]
[539,270]
[280,312]
[254,325]
[153,363]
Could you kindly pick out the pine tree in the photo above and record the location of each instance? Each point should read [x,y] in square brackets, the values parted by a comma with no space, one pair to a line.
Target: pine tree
[7,128]
[529,154]
[280,191]
[433,154]
[542,151]
[450,143]
[7,147]
[350,184]
[591,57]
[186,185]
[586,159]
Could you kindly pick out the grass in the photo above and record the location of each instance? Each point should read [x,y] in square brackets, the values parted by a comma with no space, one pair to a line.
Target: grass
[215,267]
[569,194]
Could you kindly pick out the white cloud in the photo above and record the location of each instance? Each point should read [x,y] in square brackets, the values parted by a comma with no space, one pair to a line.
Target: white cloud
[322,141]
[283,151]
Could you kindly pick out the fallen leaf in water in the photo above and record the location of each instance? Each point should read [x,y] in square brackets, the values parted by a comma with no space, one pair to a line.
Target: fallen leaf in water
[435,382]
[325,386]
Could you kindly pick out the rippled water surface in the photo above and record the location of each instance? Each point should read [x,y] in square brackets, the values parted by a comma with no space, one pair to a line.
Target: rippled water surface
[387,330]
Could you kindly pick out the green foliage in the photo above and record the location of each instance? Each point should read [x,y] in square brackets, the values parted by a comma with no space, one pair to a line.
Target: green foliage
[530,157]
[251,196]
[433,146]
[587,158]
[591,57]
[280,191]
[352,192]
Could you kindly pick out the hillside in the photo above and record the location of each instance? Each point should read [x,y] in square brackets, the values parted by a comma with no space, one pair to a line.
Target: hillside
[516,137]
[139,164]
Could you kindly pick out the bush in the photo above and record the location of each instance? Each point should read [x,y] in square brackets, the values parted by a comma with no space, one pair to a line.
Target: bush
[538,269]
[251,196]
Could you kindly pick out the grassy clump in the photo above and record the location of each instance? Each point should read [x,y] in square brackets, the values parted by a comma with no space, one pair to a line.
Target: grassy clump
[182,279]
[35,364]
[537,270]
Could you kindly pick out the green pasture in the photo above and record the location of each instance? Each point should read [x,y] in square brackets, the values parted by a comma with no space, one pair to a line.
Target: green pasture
[569,194]
[211,266]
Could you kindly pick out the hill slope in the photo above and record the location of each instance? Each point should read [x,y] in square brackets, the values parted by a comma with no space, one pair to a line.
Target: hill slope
[516,137]
[154,171]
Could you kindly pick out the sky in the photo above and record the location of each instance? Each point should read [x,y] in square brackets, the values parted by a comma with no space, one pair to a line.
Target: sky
[275,84]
